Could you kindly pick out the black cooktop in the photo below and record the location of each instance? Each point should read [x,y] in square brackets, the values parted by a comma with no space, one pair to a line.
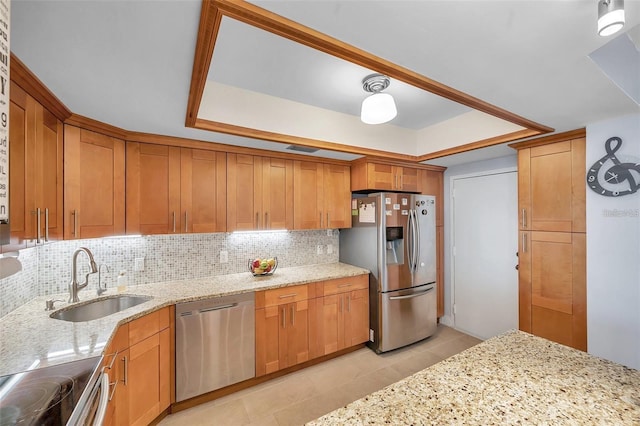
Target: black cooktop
[44,396]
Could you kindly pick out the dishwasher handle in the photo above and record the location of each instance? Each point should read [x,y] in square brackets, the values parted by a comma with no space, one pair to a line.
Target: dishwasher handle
[208,309]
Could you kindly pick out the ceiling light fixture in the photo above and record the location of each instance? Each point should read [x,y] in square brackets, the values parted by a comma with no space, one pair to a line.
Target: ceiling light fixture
[379,107]
[610,16]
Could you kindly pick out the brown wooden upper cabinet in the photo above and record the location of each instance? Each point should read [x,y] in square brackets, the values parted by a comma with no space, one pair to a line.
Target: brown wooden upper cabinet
[93,184]
[259,193]
[383,177]
[322,196]
[174,190]
[35,172]
[551,189]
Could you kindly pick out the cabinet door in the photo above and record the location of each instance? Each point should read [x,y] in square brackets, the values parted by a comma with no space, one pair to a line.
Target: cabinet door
[22,224]
[356,317]
[308,195]
[553,287]
[277,193]
[408,179]
[35,180]
[94,184]
[381,177]
[294,335]
[329,331]
[268,324]
[336,197]
[148,378]
[49,153]
[153,189]
[203,183]
[244,192]
[551,187]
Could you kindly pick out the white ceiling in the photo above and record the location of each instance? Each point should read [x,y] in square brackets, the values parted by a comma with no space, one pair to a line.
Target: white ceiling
[128,63]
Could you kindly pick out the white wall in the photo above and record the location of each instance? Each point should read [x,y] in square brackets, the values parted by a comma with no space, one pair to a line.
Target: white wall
[487,167]
[613,252]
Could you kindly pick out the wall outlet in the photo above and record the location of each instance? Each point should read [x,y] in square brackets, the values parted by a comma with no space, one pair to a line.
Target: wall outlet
[224,256]
[329,248]
[138,264]
[319,249]
[329,232]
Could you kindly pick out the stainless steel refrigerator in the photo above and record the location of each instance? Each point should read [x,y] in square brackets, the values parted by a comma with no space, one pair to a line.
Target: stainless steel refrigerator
[394,236]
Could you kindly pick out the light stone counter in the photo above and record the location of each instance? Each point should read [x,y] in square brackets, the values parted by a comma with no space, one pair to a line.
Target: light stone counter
[29,338]
[515,378]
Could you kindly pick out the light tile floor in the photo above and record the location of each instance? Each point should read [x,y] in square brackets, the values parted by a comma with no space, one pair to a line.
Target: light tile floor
[312,392]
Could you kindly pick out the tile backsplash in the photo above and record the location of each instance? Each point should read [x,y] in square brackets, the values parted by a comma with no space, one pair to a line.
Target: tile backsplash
[47,269]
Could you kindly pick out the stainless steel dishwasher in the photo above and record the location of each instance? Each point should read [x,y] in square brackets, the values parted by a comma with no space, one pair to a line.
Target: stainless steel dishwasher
[215,344]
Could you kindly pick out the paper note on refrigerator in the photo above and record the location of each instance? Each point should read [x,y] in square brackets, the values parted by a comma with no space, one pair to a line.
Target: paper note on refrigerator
[367,213]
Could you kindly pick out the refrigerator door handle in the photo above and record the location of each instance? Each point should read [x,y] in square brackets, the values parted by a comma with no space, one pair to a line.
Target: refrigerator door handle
[416,234]
[410,238]
[411,296]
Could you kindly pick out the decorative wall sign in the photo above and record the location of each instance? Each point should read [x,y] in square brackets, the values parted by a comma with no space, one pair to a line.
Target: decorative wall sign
[617,180]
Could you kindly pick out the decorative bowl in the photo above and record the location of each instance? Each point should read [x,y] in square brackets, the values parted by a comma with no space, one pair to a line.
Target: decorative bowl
[262,266]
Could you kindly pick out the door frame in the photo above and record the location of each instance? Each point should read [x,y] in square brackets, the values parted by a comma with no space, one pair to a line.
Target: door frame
[451,320]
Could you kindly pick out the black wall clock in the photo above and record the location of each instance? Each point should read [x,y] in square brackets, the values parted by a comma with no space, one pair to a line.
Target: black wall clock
[620,177]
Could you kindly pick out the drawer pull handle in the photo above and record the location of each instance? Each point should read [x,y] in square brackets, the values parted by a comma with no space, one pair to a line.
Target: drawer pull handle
[344,285]
[284,296]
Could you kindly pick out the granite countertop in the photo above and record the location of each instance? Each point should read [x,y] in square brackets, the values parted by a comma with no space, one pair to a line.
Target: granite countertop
[515,378]
[30,339]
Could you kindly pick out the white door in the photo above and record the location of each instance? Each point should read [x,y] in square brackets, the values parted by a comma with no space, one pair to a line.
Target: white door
[485,242]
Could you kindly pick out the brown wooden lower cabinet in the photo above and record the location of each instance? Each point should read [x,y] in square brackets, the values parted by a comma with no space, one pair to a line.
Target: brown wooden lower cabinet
[140,371]
[552,292]
[331,316]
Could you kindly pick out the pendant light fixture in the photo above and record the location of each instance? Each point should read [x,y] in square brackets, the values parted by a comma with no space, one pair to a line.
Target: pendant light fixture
[379,107]
[610,16]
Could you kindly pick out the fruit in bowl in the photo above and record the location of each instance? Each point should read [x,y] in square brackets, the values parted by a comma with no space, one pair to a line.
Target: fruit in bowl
[263,266]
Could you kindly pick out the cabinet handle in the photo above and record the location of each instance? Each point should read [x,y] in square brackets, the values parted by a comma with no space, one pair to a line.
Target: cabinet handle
[348,303]
[113,391]
[320,219]
[186,221]
[46,225]
[524,242]
[284,317]
[328,221]
[341,303]
[126,370]
[38,224]
[74,213]
[257,220]
[293,315]
[344,285]
[174,220]
[524,218]
[266,220]
[284,296]
[400,186]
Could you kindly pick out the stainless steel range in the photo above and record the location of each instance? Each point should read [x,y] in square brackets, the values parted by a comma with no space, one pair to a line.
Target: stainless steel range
[56,395]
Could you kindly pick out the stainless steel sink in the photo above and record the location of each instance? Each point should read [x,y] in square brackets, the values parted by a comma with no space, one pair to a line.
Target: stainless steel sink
[99,308]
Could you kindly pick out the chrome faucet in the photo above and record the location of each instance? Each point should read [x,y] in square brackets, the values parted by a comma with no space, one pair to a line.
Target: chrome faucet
[75,287]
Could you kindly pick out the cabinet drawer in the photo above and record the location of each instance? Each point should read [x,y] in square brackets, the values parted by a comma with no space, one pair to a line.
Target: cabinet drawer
[148,325]
[342,285]
[280,296]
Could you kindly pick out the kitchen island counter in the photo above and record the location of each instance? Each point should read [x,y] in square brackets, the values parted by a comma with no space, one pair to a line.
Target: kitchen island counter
[30,339]
[514,378]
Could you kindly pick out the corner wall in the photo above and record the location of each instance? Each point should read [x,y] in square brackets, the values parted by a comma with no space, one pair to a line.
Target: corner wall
[613,252]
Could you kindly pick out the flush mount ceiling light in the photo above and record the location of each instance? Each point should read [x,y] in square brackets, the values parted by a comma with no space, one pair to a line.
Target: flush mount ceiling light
[610,16]
[379,107]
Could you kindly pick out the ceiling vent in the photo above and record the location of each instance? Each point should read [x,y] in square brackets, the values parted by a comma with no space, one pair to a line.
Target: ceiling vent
[299,148]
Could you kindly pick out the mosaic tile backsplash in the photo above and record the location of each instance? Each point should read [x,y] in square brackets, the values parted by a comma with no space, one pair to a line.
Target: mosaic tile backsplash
[47,269]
